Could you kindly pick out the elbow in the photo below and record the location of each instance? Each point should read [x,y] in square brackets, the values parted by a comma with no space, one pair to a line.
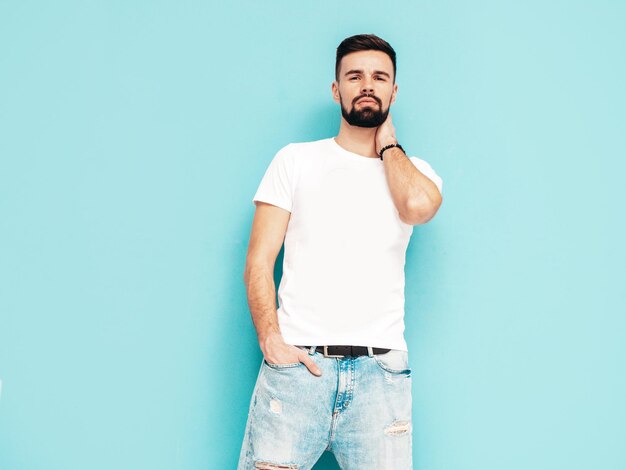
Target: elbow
[246,276]
[255,268]
[247,273]
[419,212]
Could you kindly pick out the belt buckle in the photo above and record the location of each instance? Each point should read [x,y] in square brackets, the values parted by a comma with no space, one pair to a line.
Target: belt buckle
[330,355]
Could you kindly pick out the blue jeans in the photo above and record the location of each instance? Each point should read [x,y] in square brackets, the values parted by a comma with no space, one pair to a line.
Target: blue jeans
[359,409]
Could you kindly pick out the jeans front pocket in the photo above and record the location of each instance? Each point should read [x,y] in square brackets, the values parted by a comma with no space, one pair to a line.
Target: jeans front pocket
[282,366]
[395,361]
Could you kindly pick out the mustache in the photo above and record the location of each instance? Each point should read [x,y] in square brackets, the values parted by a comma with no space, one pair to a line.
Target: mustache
[367,96]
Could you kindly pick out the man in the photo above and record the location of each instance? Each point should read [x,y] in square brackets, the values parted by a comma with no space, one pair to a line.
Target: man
[335,374]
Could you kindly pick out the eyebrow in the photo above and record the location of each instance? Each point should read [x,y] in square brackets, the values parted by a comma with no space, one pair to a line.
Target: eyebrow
[379,72]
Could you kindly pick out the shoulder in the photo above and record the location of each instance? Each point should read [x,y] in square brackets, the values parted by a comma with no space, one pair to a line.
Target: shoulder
[306,146]
[299,150]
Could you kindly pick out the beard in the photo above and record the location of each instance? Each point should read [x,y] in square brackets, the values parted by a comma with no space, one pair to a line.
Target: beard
[365,116]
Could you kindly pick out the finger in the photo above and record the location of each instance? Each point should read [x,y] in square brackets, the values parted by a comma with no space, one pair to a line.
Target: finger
[312,366]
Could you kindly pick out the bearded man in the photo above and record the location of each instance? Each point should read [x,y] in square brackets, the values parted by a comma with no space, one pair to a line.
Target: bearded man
[335,373]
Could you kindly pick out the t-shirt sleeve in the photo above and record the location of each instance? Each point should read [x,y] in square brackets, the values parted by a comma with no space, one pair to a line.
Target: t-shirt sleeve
[276,186]
[424,167]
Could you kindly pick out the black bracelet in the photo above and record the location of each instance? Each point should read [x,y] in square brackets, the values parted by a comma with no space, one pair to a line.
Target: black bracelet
[388,147]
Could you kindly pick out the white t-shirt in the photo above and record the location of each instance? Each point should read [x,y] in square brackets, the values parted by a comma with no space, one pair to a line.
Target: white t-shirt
[345,246]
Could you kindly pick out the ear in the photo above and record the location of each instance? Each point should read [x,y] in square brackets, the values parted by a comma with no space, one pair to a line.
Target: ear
[393,93]
[335,90]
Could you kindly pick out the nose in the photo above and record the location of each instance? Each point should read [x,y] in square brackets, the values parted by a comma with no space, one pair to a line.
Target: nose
[368,88]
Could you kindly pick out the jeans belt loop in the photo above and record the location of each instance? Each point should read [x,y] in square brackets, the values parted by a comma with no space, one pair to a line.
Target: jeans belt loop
[312,350]
[370,351]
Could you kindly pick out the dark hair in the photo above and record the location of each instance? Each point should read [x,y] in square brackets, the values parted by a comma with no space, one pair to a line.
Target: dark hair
[364,42]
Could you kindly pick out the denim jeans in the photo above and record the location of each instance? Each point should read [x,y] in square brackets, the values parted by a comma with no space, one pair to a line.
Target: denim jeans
[359,409]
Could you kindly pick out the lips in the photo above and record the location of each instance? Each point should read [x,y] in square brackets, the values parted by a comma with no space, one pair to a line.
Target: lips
[367,100]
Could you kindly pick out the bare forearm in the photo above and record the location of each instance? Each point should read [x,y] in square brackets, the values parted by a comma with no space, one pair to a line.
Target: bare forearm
[415,196]
[261,292]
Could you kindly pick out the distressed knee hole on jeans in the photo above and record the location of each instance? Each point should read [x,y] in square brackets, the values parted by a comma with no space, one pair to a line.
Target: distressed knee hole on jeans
[274,466]
[398,428]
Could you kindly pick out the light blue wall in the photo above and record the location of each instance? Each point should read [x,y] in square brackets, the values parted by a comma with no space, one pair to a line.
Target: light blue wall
[133,137]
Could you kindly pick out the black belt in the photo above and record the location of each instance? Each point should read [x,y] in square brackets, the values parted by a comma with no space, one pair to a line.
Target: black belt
[340,351]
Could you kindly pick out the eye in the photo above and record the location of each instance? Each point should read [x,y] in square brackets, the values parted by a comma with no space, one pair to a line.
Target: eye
[353,77]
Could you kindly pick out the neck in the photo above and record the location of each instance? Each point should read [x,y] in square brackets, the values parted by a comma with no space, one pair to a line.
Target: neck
[359,140]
